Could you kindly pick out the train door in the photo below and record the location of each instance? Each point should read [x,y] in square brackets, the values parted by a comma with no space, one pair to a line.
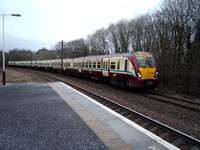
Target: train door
[126,65]
[105,67]
[79,66]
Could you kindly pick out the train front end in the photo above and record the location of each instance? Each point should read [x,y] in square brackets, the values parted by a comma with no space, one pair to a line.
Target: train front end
[146,70]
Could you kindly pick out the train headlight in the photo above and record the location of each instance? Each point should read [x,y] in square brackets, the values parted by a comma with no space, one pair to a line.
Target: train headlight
[139,74]
[156,74]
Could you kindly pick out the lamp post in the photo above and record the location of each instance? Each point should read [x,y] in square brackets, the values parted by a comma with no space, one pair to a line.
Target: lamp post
[61,58]
[4,71]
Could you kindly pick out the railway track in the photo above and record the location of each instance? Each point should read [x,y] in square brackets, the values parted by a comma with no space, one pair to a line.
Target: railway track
[192,105]
[173,136]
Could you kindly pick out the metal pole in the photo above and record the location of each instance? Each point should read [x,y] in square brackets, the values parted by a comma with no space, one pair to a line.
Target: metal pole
[4,71]
[61,58]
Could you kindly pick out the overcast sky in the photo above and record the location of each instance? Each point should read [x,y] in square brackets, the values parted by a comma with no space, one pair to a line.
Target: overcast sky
[42,21]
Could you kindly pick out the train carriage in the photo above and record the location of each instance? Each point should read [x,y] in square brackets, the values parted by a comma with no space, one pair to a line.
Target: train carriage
[137,69]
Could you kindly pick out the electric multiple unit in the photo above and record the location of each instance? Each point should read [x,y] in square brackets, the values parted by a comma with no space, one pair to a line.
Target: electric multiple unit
[137,69]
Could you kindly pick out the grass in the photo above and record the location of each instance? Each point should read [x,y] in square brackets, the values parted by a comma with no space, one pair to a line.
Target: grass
[17,76]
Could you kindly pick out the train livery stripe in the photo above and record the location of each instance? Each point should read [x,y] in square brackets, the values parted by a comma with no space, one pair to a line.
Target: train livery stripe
[92,69]
[121,71]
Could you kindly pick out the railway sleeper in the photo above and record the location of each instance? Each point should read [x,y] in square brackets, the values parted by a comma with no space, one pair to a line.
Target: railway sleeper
[113,107]
[177,142]
[108,104]
[117,109]
[137,120]
[129,116]
[145,124]
[153,129]
[164,135]
[123,113]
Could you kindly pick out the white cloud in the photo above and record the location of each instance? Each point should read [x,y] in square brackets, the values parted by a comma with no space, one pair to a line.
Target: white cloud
[54,20]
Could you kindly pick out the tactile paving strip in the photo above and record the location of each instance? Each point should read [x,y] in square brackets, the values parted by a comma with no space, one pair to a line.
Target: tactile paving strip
[108,137]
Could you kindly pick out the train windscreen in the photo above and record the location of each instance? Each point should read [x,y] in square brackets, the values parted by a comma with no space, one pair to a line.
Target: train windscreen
[150,62]
[141,61]
[145,62]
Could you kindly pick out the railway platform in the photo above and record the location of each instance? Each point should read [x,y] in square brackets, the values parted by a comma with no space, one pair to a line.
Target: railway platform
[56,116]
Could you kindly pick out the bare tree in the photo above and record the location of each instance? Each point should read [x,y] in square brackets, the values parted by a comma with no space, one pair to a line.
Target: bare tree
[76,48]
[97,42]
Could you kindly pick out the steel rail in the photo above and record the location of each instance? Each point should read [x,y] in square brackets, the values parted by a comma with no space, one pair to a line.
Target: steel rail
[174,97]
[171,100]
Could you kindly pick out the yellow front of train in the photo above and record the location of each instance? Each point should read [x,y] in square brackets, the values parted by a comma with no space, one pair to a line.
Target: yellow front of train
[146,70]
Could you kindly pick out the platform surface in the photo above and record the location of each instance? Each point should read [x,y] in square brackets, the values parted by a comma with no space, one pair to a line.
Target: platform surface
[55,116]
[33,116]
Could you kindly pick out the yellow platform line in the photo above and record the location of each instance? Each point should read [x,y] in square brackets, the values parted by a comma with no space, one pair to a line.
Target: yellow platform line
[108,137]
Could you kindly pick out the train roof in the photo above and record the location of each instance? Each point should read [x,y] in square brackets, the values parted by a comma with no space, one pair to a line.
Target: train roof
[137,53]
[106,56]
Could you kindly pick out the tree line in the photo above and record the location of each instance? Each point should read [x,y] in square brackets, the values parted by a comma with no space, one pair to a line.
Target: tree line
[171,34]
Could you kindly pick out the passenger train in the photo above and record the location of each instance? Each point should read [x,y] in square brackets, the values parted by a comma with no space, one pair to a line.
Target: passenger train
[138,69]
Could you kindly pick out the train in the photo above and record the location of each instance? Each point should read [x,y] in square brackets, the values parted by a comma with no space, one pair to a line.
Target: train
[137,69]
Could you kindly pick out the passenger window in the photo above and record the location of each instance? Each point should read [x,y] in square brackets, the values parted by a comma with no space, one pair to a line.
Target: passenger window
[98,65]
[90,64]
[112,65]
[94,64]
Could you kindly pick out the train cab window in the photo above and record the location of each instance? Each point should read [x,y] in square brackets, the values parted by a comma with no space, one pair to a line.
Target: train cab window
[141,61]
[98,64]
[150,62]
[94,64]
[112,66]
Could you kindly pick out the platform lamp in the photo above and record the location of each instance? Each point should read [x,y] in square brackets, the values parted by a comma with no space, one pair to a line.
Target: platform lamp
[4,71]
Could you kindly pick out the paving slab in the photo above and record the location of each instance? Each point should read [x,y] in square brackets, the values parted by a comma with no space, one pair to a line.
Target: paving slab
[124,130]
[34,116]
